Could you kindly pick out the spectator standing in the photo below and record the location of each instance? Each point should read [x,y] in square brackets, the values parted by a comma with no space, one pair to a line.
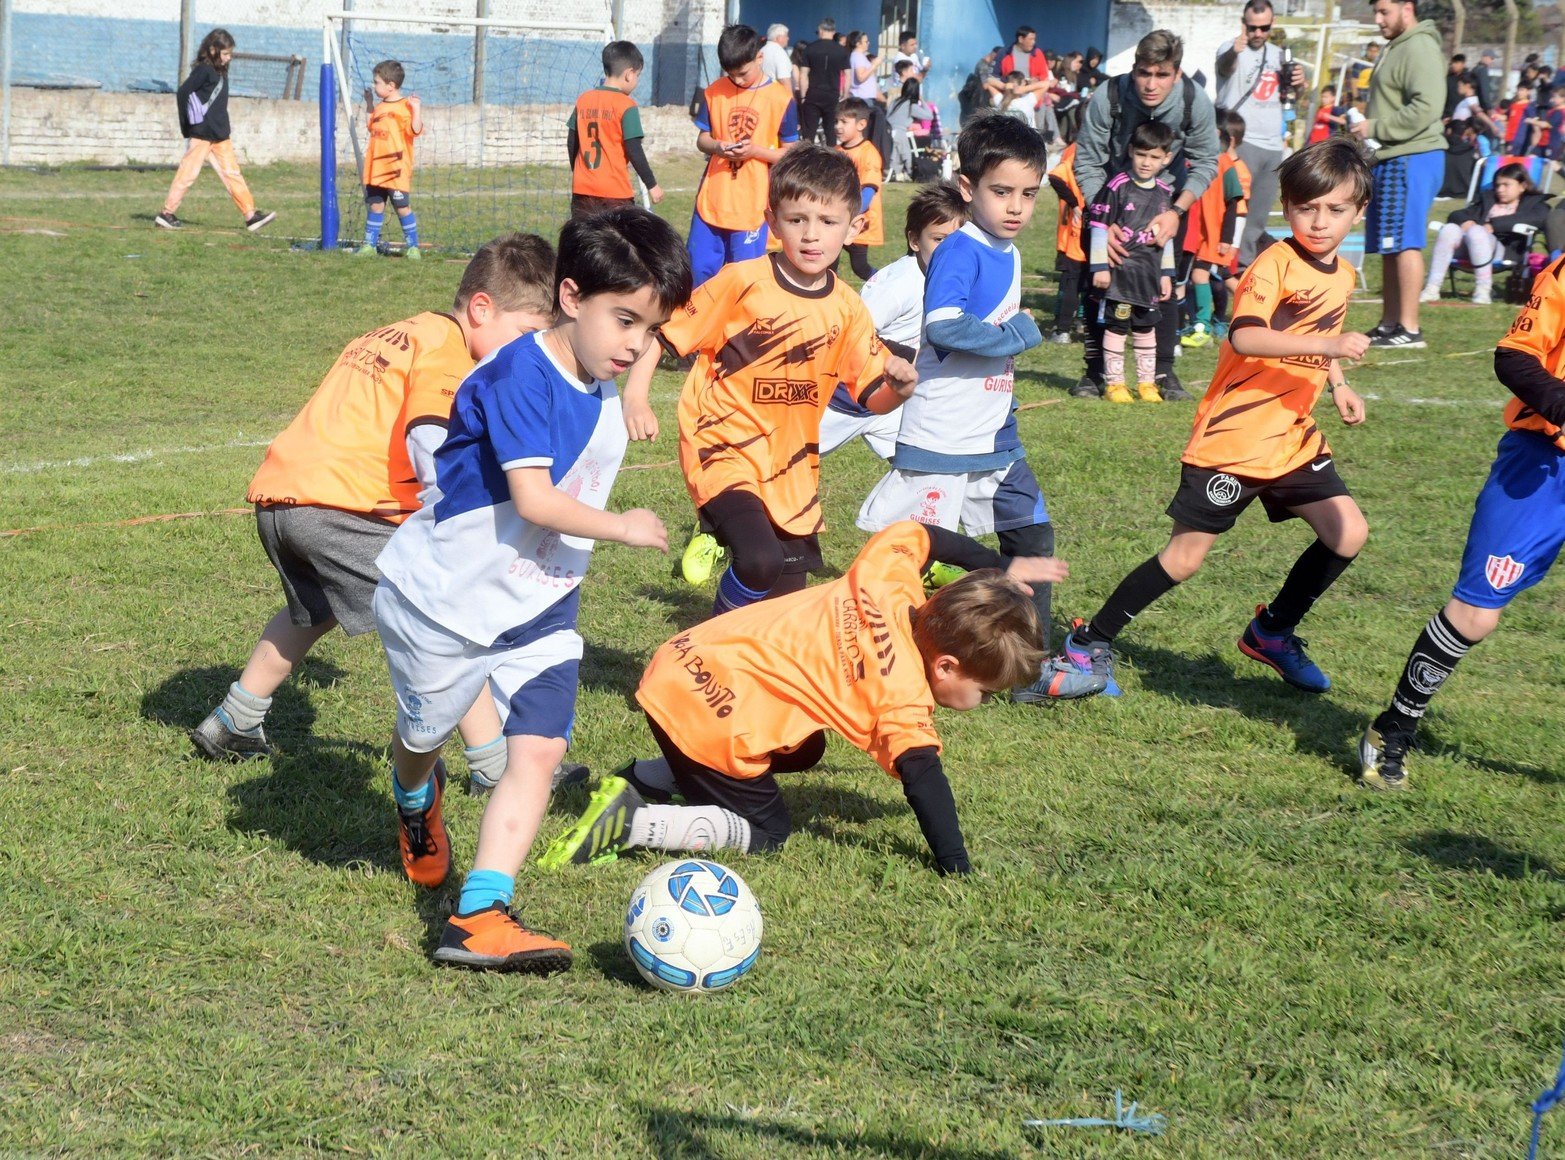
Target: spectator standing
[1249,82]
[1483,72]
[824,63]
[775,61]
[907,50]
[1454,69]
[861,70]
[1403,127]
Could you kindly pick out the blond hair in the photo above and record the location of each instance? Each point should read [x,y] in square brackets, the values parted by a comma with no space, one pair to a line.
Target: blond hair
[988,624]
[515,270]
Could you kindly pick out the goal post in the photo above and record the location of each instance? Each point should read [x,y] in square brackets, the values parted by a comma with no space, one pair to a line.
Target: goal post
[496,95]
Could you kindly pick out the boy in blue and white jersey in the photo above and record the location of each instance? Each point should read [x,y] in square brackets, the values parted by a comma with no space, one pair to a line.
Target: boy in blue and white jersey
[479,588]
[959,459]
[895,298]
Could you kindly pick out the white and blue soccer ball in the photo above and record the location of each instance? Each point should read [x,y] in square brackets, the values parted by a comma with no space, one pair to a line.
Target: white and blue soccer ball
[693,926]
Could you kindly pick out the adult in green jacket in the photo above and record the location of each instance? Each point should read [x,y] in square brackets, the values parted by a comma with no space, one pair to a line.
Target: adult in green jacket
[1406,95]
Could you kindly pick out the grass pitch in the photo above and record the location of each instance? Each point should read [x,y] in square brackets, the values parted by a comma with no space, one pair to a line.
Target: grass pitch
[1178,893]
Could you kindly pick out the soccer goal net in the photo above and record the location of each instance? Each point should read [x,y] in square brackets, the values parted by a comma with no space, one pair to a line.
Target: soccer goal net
[495,98]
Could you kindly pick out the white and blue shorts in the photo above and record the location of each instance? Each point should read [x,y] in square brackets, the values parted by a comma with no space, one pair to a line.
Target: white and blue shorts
[437,675]
[979,502]
[879,431]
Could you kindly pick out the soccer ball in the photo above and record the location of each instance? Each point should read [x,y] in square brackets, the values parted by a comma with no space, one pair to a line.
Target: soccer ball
[693,926]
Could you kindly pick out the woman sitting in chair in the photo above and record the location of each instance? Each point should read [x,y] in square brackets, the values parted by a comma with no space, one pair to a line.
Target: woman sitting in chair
[1496,229]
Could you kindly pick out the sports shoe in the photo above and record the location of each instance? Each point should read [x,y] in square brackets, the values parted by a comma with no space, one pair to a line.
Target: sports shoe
[601,832]
[217,738]
[1060,338]
[492,940]
[1118,393]
[168,221]
[1429,294]
[1382,759]
[1483,296]
[1086,387]
[1173,390]
[258,219]
[701,558]
[567,773]
[367,250]
[1285,654]
[1400,339]
[1380,330]
[1148,393]
[938,575]
[1198,336]
[1082,670]
[1219,330]
[426,850]
[413,254]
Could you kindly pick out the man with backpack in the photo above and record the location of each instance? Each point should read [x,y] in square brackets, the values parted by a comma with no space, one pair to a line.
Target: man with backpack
[1155,90]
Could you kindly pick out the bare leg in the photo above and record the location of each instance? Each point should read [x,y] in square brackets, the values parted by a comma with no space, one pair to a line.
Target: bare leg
[518,803]
[282,646]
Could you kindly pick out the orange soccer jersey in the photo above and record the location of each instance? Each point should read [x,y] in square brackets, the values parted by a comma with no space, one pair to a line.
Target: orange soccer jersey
[347,448]
[733,690]
[1205,235]
[1067,234]
[866,158]
[768,356]
[388,159]
[732,195]
[1539,330]
[1255,421]
[603,120]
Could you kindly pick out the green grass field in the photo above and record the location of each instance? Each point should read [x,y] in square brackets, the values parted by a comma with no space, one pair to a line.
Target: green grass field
[1178,893]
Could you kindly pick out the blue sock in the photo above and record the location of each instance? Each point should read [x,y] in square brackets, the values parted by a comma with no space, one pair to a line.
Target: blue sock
[732,594]
[485,888]
[372,225]
[410,228]
[414,800]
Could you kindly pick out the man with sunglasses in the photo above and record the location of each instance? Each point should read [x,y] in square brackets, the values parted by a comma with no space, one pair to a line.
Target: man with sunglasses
[1249,83]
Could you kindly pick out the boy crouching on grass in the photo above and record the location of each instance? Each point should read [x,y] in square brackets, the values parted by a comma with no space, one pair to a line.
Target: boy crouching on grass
[480,588]
[350,468]
[743,697]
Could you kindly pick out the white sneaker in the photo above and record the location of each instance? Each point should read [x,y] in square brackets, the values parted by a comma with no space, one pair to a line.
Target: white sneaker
[1430,294]
[1481,296]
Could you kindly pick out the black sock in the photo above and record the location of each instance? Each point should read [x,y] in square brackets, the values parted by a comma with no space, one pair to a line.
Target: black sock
[1316,570]
[1167,335]
[1434,655]
[1144,585]
[1034,540]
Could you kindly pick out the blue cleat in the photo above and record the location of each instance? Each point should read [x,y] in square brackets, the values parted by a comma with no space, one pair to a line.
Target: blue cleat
[1284,653]
[1082,670]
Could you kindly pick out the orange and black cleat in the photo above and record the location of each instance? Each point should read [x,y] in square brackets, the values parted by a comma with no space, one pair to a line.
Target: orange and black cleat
[426,850]
[492,940]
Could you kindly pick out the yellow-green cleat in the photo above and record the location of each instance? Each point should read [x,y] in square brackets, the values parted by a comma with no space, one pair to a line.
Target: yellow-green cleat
[938,575]
[601,832]
[701,558]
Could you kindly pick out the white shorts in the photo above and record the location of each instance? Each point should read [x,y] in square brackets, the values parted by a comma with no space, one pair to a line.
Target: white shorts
[437,675]
[979,502]
[879,431]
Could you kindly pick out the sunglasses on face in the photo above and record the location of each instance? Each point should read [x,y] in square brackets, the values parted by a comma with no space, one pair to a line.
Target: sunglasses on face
[1258,27]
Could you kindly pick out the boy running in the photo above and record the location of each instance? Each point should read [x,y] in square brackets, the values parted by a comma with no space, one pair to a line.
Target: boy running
[604,136]
[1254,436]
[480,588]
[351,467]
[1517,530]
[388,160]
[739,699]
[772,337]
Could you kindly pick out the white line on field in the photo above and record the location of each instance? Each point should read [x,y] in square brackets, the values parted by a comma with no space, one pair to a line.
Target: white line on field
[127,457]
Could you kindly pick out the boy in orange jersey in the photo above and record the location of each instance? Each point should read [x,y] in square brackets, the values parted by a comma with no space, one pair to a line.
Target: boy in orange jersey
[604,135]
[388,160]
[1515,536]
[1070,259]
[1216,225]
[350,468]
[772,337]
[745,121]
[739,699]
[852,124]
[1254,436]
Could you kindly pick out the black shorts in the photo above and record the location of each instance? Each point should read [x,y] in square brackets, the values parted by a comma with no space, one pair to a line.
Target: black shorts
[757,800]
[739,521]
[1210,501]
[1123,317]
[397,197]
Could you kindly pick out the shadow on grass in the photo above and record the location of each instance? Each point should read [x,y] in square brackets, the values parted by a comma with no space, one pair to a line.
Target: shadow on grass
[681,1135]
[1047,380]
[1429,743]
[184,699]
[613,963]
[1477,854]
[687,606]
[605,669]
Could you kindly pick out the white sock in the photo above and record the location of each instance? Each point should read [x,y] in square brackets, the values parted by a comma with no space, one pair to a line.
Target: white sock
[695,828]
[244,709]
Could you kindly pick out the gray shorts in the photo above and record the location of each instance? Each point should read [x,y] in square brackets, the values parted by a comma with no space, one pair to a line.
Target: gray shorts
[326,559]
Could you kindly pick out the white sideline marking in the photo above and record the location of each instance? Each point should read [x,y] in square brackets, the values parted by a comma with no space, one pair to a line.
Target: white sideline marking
[127,457]
[1416,402]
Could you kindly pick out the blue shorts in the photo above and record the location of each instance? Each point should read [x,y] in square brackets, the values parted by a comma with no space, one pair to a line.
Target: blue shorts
[712,248]
[1403,194]
[1518,522]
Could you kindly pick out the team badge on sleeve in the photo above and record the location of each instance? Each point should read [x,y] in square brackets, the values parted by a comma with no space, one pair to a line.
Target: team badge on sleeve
[1503,571]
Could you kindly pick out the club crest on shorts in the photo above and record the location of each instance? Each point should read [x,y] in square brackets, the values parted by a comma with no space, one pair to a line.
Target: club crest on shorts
[1223,489]
[1503,571]
[1122,311]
